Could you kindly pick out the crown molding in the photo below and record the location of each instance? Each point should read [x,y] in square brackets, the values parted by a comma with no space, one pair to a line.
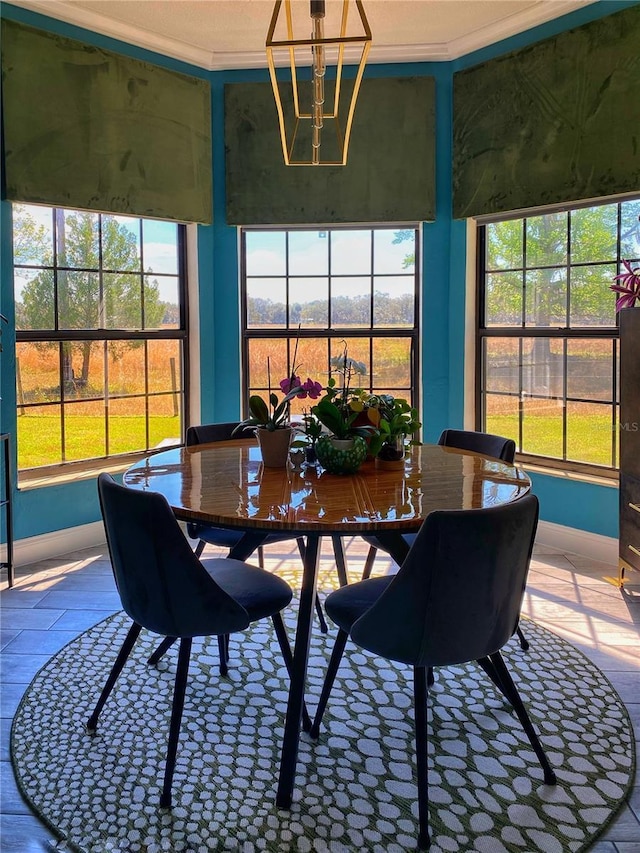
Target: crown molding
[211,61]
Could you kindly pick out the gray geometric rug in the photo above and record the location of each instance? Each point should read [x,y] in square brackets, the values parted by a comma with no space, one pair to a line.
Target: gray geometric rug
[355,788]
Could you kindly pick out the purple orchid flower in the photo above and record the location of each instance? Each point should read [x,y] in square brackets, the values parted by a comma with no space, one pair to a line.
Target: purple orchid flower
[629,286]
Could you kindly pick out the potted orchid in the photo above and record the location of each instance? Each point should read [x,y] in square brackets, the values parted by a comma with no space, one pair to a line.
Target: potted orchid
[270,419]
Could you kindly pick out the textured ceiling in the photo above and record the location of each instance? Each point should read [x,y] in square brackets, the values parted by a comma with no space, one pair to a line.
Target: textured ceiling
[225,34]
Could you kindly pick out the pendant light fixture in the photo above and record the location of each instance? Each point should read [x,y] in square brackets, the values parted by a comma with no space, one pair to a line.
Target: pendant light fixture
[314,100]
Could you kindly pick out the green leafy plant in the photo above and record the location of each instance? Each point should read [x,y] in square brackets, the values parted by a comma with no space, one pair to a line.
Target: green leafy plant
[396,420]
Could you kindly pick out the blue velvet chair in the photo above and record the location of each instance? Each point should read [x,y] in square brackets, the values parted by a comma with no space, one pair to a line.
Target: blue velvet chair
[166,589]
[455,599]
[485,443]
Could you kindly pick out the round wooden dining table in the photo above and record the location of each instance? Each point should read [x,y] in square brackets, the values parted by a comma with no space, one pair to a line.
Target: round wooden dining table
[227,485]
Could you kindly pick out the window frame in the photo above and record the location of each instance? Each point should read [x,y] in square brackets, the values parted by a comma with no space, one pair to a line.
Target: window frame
[329,333]
[565,333]
[104,335]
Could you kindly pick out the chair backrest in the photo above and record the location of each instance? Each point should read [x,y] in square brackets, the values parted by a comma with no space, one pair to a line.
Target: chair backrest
[163,586]
[458,594]
[208,433]
[480,442]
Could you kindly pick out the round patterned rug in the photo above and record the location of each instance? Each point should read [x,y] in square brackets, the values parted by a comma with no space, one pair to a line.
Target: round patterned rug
[355,787]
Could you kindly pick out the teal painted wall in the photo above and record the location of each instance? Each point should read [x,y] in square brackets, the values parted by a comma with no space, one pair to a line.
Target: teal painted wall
[564,502]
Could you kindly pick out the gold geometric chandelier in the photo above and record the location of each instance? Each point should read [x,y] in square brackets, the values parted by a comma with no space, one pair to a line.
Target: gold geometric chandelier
[315,102]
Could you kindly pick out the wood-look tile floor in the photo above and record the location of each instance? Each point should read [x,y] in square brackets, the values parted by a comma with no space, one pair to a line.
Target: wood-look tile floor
[55,600]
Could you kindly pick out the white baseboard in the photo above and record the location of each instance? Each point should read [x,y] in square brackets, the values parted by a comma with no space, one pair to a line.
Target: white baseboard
[55,544]
[60,542]
[574,541]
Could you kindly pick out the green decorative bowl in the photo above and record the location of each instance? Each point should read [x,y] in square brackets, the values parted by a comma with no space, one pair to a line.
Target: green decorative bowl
[341,456]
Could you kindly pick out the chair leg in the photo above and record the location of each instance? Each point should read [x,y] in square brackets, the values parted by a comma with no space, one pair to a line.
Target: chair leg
[164,646]
[179,691]
[116,669]
[524,643]
[497,671]
[287,654]
[368,563]
[330,677]
[323,622]
[261,556]
[199,548]
[420,698]
[430,677]
[222,651]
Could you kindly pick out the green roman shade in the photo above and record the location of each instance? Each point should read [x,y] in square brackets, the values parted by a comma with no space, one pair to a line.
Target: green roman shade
[556,122]
[88,128]
[389,176]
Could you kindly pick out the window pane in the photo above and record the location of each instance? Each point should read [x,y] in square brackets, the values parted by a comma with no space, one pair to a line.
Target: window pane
[83,366]
[351,302]
[34,294]
[262,352]
[392,363]
[592,300]
[546,298]
[593,234]
[393,251]
[123,251]
[590,369]
[393,301]
[546,240]
[265,253]
[309,303]
[122,301]
[358,350]
[160,247]
[350,252]
[37,372]
[502,415]
[162,302]
[84,431]
[630,229]
[165,369]
[503,299]
[542,367]
[266,302]
[308,250]
[504,245]
[32,235]
[121,243]
[126,367]
[590,433]
[165,420]
[312,360]
[542,427]
[502,365]
[77,239]
[78,300]
[127,425]
[39,436]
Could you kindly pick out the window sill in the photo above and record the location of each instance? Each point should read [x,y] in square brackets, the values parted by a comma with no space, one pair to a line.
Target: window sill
[73,472]
[574,476]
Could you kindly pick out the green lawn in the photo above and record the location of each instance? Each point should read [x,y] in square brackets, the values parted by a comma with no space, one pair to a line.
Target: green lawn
[39,437]
[588,437]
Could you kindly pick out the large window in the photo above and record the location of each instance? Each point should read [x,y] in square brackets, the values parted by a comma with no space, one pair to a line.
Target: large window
[100,334]
[547,332]
[322,290]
